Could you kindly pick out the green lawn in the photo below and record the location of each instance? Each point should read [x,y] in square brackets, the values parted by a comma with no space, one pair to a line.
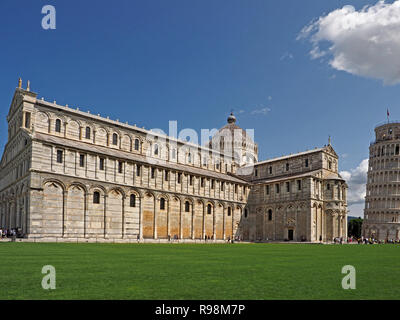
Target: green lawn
[186,271]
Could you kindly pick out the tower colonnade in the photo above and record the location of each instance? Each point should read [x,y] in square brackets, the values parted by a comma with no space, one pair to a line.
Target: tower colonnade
[382,201]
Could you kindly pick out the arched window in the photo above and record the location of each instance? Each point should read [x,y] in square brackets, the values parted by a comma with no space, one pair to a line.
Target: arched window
[87,133]
[229,211]
[162,204]
[58,125]
[189,158]
[96,197]
[187,206]
[133,200]
[137,144]
[269,214]
[115,139]
[245,213]
[209,209]
[156,149]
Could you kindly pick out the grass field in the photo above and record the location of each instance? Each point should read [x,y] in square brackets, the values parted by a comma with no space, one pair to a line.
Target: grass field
[198,271]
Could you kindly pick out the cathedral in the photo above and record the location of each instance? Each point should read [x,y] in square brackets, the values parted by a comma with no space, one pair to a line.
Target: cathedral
[69,175]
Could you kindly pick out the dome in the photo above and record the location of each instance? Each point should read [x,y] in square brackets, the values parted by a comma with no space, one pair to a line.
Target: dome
[231,118]
[232,139]
[231,128]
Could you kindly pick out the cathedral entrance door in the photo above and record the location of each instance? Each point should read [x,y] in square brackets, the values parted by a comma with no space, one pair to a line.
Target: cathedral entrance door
[290,234]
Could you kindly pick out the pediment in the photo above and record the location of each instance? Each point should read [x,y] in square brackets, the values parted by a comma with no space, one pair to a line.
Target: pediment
[19,96]
[22,135]
[330,150]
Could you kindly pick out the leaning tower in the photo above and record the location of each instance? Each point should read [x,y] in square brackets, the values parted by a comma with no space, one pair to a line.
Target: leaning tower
[382,201]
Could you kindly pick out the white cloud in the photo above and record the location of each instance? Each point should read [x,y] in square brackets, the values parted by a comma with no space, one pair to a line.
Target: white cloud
[286,55]
[356,180]
[262,111]
[364,43]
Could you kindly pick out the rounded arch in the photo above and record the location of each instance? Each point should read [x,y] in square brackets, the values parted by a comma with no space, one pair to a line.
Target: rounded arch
[21,189]
[137,143]
[149,194]
[135,191]
[60,116]
[42,121]
[88,130]
[55,181]
[101,135]
[163,195]
[105,129]
[126,142]
[98,187]
[190,200]
[115,138]
[199,201]
[73,127]
[117,189]
[73,119]
[77,184]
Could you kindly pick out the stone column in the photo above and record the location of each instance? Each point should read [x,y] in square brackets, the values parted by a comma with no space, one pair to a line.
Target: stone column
[65,197]
[323,221]
[27,213]
[204,222]
[180,218]
[105,216]
[123,217]
[214,221]
[17,211]
[233,220]
[168,218]
[223,221]
[155,217]
[140,217]
[85,212]
[275,214]
[192,227]
[265,219]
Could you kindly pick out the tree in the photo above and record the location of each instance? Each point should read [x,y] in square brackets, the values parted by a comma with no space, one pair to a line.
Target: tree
[355,227]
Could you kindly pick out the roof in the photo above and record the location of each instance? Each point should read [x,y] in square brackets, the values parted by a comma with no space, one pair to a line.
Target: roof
[286,177]
[77,112]
[134,157]
[291,156]
[332,176]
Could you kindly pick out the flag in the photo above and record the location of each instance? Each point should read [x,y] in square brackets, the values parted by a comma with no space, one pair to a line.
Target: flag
[387,112]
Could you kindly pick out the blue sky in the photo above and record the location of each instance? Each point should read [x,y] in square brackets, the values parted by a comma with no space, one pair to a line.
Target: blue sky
[148,62]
